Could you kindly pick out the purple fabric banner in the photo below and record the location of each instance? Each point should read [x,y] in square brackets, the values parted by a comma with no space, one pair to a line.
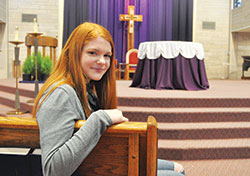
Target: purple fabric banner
[155,13]
[157,24]
[157,20]
[131,2]
[106,13]
[125,27]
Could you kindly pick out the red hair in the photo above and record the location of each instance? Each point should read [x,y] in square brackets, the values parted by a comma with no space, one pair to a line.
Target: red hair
[69,64]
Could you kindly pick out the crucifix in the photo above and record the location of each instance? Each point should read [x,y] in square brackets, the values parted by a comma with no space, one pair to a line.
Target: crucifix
[131,18]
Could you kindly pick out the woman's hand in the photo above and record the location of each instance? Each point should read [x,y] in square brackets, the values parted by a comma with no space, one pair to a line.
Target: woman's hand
[116,115]
[178,167]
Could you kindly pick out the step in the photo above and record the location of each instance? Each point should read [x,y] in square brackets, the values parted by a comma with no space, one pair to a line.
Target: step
[187,114]
[183,102]
[8,99]
[204,149]
[210,130]
[27,90]
[217,89]
[22,91]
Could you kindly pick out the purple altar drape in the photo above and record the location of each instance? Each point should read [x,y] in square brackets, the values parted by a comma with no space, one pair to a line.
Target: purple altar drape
[177,73]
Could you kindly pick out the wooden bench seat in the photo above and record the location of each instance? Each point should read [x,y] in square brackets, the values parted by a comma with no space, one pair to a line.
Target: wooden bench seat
[128,148]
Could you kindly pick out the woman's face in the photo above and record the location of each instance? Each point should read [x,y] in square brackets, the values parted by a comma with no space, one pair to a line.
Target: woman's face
[96,58]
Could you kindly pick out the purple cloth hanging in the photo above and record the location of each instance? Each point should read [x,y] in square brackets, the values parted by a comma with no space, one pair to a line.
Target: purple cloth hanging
[173,16]
[177,73]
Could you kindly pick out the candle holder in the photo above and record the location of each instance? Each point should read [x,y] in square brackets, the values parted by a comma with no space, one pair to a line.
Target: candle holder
[17,97]
[35,35]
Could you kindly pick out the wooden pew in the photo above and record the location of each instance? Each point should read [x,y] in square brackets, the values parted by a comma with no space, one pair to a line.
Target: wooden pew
[128,148]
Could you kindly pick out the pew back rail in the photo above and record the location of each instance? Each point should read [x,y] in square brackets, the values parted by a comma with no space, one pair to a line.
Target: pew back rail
[128,148]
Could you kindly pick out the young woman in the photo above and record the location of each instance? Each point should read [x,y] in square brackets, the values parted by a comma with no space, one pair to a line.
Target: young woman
[82,86]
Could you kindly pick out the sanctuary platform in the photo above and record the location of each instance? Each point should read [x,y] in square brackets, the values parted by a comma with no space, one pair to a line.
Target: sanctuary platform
[207,131]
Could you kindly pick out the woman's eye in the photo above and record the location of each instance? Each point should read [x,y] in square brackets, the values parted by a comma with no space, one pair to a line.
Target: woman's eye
[92,53]
[108,56]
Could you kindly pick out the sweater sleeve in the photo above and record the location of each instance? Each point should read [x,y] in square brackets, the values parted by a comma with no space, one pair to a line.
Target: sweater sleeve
[62,149]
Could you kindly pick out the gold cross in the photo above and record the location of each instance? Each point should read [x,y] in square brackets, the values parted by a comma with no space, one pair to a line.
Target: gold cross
[131,18]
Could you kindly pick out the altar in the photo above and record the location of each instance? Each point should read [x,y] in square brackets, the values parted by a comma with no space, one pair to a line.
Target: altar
[171,65]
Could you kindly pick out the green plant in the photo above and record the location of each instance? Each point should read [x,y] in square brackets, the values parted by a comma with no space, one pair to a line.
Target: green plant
[28,65]
[46,65]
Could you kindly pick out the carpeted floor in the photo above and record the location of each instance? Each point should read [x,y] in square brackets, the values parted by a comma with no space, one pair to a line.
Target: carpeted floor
[207,131]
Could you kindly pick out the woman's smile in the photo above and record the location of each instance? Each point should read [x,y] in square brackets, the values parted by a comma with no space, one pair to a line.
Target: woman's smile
[99,70]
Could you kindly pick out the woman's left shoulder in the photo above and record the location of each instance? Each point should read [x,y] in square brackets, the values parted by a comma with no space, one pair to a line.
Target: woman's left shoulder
[75,102]
[67,88]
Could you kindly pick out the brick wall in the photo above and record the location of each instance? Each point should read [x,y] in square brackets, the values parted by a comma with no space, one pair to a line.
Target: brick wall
[241,16]
[3,6]
[214,40]
[241,37]
[3,39]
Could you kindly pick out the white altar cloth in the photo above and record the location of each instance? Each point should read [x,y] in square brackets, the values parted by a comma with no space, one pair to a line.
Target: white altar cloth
[170,50]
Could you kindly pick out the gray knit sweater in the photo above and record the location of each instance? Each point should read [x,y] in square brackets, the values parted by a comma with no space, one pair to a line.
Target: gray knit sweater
[62,149]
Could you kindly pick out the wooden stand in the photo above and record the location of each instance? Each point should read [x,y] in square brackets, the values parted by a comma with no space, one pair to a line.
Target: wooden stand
[17,97]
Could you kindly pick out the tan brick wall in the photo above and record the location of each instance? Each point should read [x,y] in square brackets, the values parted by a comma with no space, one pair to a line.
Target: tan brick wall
[215,41]
[3,39]
[3,5]
[240,38]
[241,16]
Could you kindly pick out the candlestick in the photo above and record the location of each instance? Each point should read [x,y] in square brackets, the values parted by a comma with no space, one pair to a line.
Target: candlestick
[35,25]
[16,34]
[35,35]
[17,62]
